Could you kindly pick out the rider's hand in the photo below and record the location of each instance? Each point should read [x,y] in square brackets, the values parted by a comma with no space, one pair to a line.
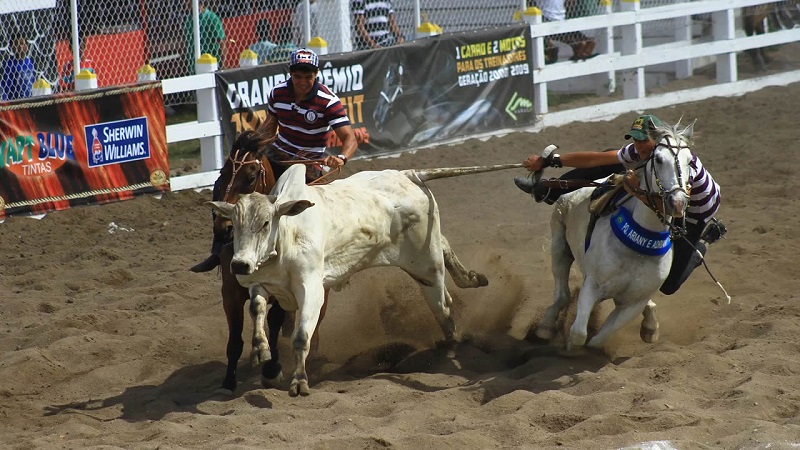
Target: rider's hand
[631,178]
[333,162]
[534,163]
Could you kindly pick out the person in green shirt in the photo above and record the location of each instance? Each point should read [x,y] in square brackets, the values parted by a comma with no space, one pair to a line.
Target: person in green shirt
[212,36]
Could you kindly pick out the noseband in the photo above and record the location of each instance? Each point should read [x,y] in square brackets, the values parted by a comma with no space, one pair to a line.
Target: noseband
[662,192]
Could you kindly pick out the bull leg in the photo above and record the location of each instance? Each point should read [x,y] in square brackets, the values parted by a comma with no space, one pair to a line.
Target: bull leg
[440,303]
[315,337]
[462,277]
[258,312]
[562,259]
[271,371]
[587,298]
[649,329]
[618,318]
[311,297]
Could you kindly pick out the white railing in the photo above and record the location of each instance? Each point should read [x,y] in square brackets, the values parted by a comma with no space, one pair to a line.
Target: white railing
[631,61]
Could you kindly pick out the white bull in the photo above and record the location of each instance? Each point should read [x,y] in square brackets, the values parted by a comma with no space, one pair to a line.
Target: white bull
[302,239]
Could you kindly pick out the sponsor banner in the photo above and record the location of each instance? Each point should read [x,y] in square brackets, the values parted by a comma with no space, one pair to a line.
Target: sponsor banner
[421,92]
[77,149]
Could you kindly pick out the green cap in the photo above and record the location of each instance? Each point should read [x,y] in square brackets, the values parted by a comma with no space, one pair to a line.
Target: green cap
[641,126]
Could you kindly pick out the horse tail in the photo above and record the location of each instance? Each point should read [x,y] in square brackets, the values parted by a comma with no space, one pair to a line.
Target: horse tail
[424,175]
[461,276]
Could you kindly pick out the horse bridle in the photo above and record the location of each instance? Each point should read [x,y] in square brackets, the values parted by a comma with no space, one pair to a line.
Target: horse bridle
[237,165]
[663,193]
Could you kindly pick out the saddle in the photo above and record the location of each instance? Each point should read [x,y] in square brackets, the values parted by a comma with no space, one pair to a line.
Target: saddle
[600,203]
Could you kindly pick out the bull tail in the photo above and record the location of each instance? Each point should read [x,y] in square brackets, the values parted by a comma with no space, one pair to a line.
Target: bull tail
[461,276]
[447,172]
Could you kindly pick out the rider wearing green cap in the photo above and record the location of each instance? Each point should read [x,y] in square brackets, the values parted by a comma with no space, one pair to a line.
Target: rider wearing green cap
[704,200]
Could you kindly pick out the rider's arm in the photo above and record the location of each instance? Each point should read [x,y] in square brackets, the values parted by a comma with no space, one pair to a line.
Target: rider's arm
[578,160]
[269,128]
[349,146]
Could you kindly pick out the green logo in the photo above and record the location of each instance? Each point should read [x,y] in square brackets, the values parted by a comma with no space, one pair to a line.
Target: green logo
[518,105]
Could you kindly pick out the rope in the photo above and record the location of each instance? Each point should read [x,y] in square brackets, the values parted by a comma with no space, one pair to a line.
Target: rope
[59,198]
[703,260]
[80,97]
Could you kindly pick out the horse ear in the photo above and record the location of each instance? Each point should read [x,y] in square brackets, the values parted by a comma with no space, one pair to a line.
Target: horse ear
[689,130]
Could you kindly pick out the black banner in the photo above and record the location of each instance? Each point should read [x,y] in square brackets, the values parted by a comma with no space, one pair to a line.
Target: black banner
[418,93]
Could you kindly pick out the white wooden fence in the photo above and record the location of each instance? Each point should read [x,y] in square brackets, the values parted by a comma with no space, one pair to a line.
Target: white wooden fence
[628,64]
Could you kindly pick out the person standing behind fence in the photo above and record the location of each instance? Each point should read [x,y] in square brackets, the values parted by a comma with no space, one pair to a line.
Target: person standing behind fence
[18,71]
[375,25]
[582,45]
[263,46]
[285,47]
[212,35]
[67,80]
[299,21]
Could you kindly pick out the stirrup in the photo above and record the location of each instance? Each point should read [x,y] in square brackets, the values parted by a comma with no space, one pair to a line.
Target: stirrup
[713,231]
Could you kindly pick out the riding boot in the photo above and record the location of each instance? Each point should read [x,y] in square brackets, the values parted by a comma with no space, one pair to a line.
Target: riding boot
[212,261]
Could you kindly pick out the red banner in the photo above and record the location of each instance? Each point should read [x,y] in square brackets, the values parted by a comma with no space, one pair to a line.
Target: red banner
[77,149]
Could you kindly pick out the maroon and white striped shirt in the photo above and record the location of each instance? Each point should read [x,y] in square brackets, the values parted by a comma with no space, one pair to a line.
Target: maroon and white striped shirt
[303,126]
[704,199]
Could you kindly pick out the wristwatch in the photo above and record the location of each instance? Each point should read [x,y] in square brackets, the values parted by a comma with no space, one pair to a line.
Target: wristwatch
[343,158]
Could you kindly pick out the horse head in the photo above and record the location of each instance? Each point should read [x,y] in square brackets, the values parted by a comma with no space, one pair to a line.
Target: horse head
[246,170]
[667,170]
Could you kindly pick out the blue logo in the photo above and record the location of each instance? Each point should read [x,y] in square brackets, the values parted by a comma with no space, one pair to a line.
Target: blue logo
[636,237]
[117,142]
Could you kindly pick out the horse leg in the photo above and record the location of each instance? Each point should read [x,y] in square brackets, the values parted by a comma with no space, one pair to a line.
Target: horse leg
[311,296]
[753,23]
[588,296]
[649,329]
[618,318]
[562,260]
[258,312]
[233,301]
[271,371]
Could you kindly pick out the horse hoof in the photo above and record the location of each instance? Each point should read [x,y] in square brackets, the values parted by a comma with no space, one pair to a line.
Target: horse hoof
[224,391]
[273,382]
[648,336]
[299,387]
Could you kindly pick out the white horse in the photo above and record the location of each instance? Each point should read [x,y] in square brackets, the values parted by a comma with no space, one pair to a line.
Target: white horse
[629,253]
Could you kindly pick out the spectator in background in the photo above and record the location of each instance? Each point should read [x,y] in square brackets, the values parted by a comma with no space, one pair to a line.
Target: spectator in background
[18,72]
[299,21]
[285,45]
[375,25]
[212,35]
[263,46]
[67,80]
[582,45]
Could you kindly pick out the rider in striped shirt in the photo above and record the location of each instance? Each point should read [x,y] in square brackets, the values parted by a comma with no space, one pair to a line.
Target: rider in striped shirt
[300,113]
[704,199]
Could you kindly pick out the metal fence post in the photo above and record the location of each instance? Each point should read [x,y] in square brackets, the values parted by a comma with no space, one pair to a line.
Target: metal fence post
[211,157]
[683,33]
[606,46]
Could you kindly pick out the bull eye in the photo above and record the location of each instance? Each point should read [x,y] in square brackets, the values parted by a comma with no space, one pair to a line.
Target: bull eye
[266,224]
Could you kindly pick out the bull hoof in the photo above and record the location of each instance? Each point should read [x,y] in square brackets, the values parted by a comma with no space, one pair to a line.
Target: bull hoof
[481,278]
[545,333]
[648,336]
[258,357]
[299,387]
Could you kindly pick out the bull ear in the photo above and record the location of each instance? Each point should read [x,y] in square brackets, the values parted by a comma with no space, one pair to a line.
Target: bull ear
[224,209]
[293,207]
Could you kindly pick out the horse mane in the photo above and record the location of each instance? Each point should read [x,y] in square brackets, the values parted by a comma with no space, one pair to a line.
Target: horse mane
[250,141]
[676,131]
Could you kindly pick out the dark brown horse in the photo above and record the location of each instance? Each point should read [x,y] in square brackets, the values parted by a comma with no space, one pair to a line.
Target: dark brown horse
[759,19]
[248,170]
